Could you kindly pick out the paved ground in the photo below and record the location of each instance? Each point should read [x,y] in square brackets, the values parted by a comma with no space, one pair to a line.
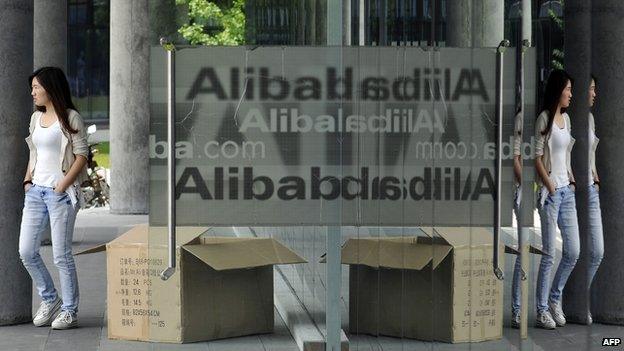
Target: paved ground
[97,226]
[93,227]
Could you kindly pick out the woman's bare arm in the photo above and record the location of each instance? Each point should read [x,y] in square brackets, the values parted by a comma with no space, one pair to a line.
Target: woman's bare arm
[71,176]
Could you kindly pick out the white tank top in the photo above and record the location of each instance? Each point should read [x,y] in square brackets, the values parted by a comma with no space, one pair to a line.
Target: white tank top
[560,139]
[48,144]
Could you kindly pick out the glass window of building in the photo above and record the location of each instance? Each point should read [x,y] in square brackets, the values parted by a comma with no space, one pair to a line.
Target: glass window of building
[88,57]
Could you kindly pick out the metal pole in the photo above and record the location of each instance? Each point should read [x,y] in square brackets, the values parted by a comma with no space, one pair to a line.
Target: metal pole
[361,24]
[521,49]
[171,209]
[499,157]
[346,22]
[334,22]
[383,23]
[333,267]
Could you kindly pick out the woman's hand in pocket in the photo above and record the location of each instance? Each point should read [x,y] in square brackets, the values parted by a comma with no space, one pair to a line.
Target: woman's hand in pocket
[60,188]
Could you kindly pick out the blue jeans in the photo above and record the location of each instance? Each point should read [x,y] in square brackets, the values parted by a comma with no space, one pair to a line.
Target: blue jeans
[516,286]
[558,209]
[596,240]
[41,205]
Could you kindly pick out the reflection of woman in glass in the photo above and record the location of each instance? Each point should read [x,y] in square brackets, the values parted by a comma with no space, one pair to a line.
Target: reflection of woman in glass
[517,167]
[556,200]
[58,155]
[596,242]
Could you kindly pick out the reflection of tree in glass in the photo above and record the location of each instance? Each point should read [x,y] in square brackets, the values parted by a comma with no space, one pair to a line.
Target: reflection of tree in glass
[556,17]
[210,24]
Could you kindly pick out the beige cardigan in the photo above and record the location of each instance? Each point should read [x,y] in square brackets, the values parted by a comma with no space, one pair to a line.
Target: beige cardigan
[543,145]
[71,146]
[592,148]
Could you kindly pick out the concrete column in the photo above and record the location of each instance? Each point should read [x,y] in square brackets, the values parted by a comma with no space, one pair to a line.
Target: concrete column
[488,23]
[578,43]
[362,23]
[334,13]
[50,34]
[129,106]
[475,23]
[310,27]
[459,23]
[527,23]
[320,24]
[346,22]
[607,304]
[16,57]
[50,46]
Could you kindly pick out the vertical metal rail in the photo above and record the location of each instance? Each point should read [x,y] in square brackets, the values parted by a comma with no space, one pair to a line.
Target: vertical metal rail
[499,157]
[333,267]
[171,206]
[526,44]
[361,23]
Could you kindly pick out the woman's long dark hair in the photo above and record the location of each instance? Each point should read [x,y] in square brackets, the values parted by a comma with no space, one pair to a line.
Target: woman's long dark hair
[53,80]
[557,82]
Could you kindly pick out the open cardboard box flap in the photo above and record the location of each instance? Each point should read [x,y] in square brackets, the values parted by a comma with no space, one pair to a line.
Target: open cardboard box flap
[532,249]
[475,236]
[459,237]
[511,250]
[413,252]
[222,253]
[393,252]
[142,234]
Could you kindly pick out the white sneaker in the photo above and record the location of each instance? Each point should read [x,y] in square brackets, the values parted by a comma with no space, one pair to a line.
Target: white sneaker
[590,320]
[557,313]
[46,312]
[65,320]
[545,320]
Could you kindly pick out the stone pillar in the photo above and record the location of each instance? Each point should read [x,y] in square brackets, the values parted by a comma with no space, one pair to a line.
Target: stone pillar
[361,23]
[50,46]
[320,22]
[16,57]
[129,106]
[458,23]
[578,43]
[527,23]
[50,34]
[475,23]
[607,304]
[346,22]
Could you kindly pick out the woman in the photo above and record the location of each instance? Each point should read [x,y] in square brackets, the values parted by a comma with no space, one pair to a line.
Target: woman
[596,241]
[58,155]
[556,197]
[516,288]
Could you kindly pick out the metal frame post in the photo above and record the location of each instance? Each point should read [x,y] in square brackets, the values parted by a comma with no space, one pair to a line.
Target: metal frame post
[335,37]
[171,173]
[499,156]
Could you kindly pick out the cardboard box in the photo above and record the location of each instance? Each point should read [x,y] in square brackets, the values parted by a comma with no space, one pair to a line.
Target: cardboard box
[440,286]
[222,287]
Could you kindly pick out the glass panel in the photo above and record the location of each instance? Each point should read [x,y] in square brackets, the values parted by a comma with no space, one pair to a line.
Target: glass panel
[88,58]
[392,148]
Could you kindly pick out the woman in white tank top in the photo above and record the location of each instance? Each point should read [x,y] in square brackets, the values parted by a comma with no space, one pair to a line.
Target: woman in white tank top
[595,235]
[56,167]
[557,204]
